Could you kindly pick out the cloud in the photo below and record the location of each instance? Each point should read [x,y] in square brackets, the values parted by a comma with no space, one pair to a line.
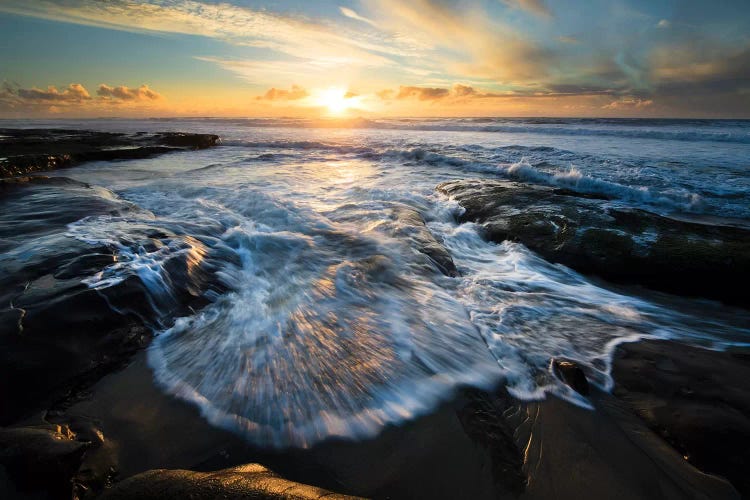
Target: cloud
[536,7]
[286,34]
[275,94]
[628,103]
[353,15]
[75,97]
[464,41]
[457,92]
[127,94]
[385,94]
[421,93]
[75,92]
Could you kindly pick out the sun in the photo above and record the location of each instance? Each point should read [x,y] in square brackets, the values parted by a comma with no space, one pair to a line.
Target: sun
[336,99]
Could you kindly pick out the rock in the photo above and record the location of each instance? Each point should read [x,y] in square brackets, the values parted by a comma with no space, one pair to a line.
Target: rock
[41,458]
[696,399]
[56,333]
[484,421]
[25,151]
[251,481]
[622,245]
[192,141]
[413,226]
[572,374]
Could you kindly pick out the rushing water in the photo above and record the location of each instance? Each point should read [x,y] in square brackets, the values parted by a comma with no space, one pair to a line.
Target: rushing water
[334,324]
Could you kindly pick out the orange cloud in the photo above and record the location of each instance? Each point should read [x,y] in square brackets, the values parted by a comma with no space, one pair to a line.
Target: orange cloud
[274,94]
[127,94]
[75,92]
[458,92]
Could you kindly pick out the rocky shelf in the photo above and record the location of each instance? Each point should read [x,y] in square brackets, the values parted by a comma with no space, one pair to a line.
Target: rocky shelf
[25,151]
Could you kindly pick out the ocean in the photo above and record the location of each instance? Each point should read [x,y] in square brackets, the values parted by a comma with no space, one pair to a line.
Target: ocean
[330,322]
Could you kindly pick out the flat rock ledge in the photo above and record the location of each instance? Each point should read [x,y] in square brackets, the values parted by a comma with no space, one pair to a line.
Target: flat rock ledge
[25,151]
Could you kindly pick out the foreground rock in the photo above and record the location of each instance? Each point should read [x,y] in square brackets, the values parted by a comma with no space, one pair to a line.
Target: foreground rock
[40,459]
[251,481]
[24,151]
[57,333]
[695,399]
[623,245]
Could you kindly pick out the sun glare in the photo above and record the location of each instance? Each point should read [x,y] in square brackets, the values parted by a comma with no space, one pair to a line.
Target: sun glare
[335,99]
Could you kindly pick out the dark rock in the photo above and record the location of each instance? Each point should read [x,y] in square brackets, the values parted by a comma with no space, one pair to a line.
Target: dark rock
[483,419]
[251,481]
[38,150]
[572,374]
[58,335]
[192,141]
[696,399]
[413,226]
[41,459]
[622,245]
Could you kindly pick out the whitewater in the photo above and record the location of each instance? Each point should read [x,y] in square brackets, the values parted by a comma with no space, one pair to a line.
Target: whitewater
[333,323]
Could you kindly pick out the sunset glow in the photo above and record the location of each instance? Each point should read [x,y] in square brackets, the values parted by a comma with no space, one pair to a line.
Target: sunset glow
[374,58]
[335,100]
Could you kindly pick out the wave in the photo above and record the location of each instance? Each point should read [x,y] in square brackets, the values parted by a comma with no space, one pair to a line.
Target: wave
[726,131]
[575,180]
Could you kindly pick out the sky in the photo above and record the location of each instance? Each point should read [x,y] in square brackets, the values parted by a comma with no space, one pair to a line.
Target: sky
[374,58]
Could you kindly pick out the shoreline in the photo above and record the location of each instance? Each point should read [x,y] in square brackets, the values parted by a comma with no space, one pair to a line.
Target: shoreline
[476,441]
[86,416]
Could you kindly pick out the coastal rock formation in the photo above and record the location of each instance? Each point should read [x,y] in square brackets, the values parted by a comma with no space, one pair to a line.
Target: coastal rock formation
[412,225]
[251,481]
[24,151]
[56,331]
[592,236]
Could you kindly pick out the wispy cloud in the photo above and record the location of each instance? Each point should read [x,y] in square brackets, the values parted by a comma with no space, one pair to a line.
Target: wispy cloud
[290,35]
[536,7]
[351,14]
[628,103]
[274,94]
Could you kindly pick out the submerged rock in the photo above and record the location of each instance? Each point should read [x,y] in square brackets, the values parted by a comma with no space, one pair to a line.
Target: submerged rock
[251,481]
[623,245]
[24,151]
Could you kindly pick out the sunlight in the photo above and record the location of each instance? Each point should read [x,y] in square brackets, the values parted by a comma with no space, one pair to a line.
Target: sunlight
[336,99]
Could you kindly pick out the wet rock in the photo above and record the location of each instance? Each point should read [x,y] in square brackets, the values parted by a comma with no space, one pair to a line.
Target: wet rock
[41,459]
[483,419]
[192,141]
[623,245]
[696,399]
[572,374]
[56,333]
[251,481]
[25,151]
[413,226]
